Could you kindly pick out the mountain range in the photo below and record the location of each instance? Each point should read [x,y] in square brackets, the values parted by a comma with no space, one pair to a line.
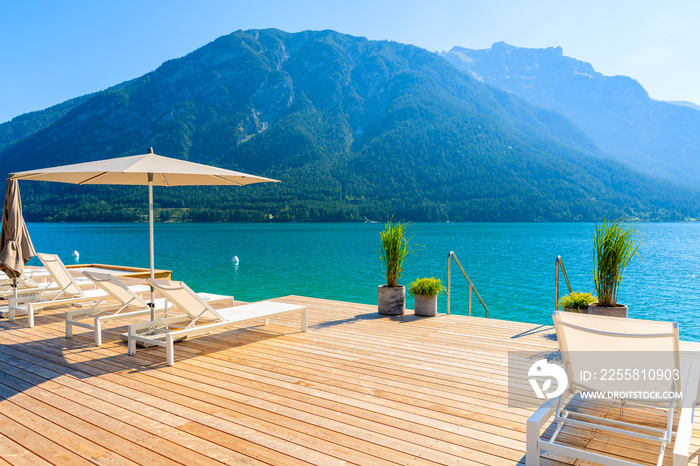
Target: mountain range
[355,130]
[660,138]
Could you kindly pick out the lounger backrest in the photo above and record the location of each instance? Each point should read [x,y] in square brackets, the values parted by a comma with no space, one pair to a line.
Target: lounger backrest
[116,289]
[618,343]
[186,300]
[60,274]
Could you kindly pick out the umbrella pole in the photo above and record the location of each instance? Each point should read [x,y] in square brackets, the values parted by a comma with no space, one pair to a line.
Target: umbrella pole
[152,304]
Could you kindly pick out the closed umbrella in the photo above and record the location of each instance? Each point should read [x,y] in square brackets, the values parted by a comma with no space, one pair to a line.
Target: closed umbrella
[17,247]
[146,169]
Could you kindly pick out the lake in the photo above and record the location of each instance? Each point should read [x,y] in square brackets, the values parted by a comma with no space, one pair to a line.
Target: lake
[512,265]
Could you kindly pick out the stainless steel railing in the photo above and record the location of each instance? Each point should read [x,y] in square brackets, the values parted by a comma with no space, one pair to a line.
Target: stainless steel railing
[451,256]
[559,264]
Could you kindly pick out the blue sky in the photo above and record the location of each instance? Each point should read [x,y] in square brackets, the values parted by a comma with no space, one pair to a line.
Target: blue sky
[52,51]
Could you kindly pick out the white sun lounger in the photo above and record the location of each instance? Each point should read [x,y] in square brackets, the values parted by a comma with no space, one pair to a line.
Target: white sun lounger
[24,284]
[585,339]
[200,318]
[69,291]
[37,273]
[128,304]
[31,276]
[32,282]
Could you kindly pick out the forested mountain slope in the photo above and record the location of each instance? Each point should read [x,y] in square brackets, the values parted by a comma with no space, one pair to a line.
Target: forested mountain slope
[355,130]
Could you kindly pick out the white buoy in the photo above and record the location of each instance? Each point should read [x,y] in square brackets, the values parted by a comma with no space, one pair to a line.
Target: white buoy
[235,259]
[76,254]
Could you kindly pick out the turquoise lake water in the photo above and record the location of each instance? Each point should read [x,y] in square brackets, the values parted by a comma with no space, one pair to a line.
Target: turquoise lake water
[512,265]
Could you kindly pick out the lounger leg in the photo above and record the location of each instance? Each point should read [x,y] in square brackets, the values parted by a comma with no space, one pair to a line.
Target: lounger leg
[131,343]
[30,315]
[681,450]
[267,322]
[169,349]
[11,314]
[304,323]
[534,426]
[69,325]
[98,332]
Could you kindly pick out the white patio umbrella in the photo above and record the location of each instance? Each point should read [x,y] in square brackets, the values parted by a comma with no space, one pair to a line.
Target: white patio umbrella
[146,169]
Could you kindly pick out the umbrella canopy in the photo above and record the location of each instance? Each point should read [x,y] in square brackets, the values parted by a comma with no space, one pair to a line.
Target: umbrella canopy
[135,170]
[146,169]
[17,247]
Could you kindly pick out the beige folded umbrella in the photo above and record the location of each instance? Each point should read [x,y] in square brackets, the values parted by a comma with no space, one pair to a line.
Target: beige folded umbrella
[16,244]
[147,169]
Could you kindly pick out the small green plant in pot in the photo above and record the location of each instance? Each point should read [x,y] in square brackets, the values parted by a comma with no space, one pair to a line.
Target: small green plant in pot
[394,250]
[576,302]
[615,246]
[425,291]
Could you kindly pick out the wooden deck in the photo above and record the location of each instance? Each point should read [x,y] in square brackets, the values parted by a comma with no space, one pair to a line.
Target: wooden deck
[357,388]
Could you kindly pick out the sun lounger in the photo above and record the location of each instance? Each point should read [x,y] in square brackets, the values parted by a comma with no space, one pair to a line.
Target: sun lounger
[28,287]
[31,275]
[126,304]
[200,318]
[589,341]
[23,282]
[69,291]
[37,273]
[33,283]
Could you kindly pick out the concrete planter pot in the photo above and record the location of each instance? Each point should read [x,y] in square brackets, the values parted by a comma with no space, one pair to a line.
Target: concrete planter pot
[392,300]
[580,311]
[613,311]
[426,305]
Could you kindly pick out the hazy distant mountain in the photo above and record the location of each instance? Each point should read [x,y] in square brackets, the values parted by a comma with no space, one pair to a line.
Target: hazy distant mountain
[683,103]
[660,138]
[355,129]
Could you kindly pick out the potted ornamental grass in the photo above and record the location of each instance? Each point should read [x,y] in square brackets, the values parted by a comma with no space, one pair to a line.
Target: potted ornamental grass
[393,252]
[576,302]
[615,246]
[425,291]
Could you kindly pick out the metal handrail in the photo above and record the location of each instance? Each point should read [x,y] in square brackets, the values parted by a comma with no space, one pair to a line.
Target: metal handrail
[560,263]
[451,255]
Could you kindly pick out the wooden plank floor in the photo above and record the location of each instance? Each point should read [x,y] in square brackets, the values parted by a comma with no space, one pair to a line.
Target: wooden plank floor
[357,388]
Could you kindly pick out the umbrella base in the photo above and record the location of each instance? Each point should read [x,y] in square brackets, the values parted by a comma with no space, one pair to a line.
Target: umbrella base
[153,335]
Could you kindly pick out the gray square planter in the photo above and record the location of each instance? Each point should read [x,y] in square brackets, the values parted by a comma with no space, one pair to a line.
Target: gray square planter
[392,300]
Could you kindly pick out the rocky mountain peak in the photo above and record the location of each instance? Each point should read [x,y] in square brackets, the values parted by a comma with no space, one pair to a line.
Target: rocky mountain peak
[615,111]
